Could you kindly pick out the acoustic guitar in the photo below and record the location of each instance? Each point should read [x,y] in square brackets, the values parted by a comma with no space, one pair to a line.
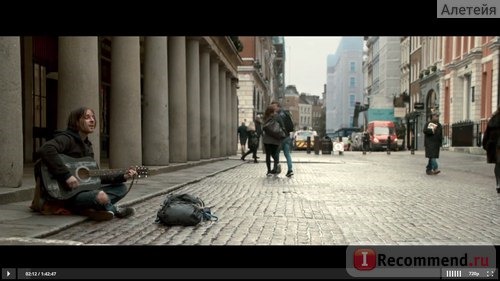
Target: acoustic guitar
[86,170]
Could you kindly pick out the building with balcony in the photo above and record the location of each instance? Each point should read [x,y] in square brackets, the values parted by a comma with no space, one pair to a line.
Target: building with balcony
[261,75]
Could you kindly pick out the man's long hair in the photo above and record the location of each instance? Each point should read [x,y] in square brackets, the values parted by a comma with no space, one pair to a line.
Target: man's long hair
[75,116]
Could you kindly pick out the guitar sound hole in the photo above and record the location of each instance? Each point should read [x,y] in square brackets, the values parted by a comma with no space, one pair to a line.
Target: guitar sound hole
[83,174]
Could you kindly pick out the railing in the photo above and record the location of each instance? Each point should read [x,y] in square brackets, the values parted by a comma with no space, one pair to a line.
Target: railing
[464,133]
[446,135]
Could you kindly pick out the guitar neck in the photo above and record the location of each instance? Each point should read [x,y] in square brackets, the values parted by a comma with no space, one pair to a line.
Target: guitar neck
[107,172]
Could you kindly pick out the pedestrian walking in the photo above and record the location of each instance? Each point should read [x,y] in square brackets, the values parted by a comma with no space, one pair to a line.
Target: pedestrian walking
[284,117]
[242,134]
[366,141]
[491,143]
[433,132]
[253,142]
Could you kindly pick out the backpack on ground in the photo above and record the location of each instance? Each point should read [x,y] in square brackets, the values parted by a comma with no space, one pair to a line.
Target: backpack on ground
[288,121]
[183,209]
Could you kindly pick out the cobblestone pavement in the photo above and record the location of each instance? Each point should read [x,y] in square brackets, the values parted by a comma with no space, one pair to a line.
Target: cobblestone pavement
[354,199]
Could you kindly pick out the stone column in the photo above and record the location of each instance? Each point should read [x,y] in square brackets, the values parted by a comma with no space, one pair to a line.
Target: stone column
[177,99]
[223,112]
[193,99]
[234,109]
[229,117]
[205,102]
[11,128]
[125,146]
[78,82]
[214,108]
[28,87]
[155,117]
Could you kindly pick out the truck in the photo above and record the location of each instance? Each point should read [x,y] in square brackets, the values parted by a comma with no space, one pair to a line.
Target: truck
[382,135]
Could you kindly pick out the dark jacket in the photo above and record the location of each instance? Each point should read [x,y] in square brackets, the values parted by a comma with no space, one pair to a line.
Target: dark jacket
[242,132]
[253,140]
[433,140]
[491,139]
[258,128]
[280,115]
[67,142]
[268,138]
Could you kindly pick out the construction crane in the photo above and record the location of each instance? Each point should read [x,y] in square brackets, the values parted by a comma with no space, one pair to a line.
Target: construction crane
[357,109]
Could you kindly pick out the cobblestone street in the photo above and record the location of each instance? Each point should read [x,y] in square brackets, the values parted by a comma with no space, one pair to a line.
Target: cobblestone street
[331,200]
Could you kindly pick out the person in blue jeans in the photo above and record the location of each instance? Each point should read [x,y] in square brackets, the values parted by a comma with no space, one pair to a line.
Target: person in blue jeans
[287,143]
[98,204]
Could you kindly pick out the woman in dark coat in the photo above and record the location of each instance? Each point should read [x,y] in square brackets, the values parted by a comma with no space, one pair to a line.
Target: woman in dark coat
[273,135]
[492,145]
[433,132]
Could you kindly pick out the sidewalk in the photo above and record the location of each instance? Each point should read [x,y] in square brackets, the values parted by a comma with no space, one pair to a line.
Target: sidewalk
[18,224]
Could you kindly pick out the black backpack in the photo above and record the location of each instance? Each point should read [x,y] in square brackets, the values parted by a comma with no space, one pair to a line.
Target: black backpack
[287,121]
[183,209]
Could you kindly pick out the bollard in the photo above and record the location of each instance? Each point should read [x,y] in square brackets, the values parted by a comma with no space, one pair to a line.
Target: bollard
[388,145]
[308,146]
[316,145]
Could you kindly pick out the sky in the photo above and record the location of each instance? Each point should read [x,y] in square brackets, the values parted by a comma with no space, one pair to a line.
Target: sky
[305,63]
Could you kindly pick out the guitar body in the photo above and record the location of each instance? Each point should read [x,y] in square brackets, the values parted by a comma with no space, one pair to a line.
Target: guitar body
[79,167]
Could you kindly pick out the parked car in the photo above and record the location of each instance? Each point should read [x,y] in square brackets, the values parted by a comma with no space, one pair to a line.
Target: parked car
[301,139]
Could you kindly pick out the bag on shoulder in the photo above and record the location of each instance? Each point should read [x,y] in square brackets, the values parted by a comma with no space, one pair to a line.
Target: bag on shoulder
[273,129]
[183,209]
[288,121]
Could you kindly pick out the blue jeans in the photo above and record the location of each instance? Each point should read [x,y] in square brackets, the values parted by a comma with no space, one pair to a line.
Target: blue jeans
[286,144]
[88,199]
[432,164]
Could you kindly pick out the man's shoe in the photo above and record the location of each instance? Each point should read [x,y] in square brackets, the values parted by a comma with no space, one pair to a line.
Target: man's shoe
[98,215]
[435,172]
[498,188]
[242,159]
[124,212]
[255,161]
[289,174]
[429,172]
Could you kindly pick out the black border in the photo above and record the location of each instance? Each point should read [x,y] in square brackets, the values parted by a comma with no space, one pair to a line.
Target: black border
[211,18]
[123,256]
[104,256]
